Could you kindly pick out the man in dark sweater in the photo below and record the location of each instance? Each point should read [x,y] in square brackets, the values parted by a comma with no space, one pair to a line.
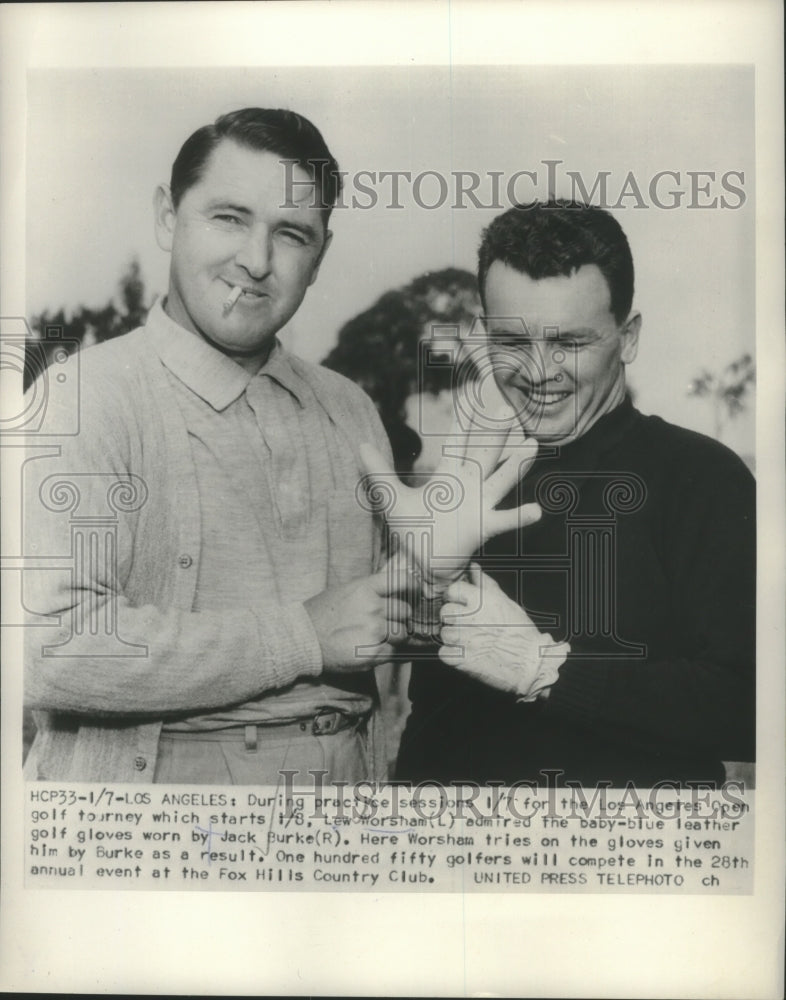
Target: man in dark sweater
[643,561]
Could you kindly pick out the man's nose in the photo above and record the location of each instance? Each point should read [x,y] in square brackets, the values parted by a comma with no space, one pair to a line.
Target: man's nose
[255,252]
[544,362]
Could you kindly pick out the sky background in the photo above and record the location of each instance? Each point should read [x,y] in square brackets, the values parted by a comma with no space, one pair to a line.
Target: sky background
[99,140]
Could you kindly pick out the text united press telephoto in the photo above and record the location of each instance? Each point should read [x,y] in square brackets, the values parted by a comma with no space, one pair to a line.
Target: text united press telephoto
[445,605]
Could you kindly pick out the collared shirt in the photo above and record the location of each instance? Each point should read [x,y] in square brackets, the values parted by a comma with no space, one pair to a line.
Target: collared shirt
[116,463]
[266,460]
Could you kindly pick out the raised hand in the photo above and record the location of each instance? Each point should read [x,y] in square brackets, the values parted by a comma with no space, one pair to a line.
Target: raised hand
[441,524]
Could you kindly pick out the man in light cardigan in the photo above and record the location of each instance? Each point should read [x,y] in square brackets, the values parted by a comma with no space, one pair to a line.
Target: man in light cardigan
[214,593]
[215,597]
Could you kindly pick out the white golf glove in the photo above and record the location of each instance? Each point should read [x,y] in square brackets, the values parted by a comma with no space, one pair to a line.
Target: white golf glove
[441,524]
[489,637]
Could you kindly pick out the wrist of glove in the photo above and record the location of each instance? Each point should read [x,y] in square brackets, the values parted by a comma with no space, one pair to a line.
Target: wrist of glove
[505,659]
[490,638]
[427,599]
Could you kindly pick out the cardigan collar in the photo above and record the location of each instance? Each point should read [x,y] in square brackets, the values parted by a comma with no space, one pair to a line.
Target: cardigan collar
[206,371]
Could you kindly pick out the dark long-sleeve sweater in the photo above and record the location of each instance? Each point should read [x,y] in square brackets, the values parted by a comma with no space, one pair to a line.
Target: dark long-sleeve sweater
[652,582]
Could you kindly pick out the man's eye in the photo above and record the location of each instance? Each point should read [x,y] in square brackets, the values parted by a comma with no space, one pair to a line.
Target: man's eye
[230,219]
[293,236]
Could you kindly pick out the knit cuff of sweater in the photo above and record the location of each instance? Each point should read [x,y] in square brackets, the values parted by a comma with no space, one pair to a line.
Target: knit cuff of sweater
[296,651]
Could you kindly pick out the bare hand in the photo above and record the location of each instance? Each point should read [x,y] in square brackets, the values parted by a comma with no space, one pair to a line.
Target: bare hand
[358,622]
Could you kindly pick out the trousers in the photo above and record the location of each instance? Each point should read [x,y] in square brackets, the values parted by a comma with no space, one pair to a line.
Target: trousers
[235,757]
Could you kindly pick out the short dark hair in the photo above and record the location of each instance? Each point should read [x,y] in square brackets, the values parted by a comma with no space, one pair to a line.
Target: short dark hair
[556,237]
[274,130]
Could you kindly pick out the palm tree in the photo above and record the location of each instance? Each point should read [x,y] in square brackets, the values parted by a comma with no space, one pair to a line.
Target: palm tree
[728,391]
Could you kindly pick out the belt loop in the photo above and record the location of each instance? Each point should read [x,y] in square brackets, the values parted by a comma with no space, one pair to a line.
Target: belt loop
[251,738]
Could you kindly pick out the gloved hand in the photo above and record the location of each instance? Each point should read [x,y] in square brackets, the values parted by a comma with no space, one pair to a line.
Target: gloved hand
[441,524]
[489,637]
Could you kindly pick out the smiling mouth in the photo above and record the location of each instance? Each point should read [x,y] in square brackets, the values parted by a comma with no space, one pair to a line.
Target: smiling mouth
[546,400]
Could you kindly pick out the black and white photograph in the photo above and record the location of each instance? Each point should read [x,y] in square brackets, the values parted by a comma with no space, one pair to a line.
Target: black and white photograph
[394,543]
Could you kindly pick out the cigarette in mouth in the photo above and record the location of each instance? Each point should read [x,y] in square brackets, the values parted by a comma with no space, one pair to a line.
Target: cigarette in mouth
[231,299]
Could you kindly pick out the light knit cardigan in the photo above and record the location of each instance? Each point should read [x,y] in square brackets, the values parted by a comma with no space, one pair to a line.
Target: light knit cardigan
[99,716]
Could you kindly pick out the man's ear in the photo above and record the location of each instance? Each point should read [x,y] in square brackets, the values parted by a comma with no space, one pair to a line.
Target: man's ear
[630,338]
[321,257]
[165,215]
